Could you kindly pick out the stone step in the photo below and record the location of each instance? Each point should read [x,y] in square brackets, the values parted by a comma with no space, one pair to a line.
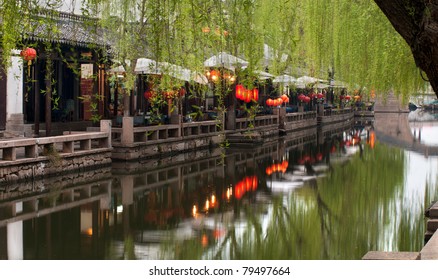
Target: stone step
[377,255]
[432,225]
[428,236]
[430,250]
[432,211]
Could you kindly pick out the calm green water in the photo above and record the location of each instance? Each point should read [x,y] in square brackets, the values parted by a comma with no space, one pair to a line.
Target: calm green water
[297,198]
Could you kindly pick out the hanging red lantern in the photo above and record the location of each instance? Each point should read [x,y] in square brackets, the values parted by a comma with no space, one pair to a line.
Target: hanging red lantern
[182,92]
[270,102]
[28,54]
[348,97]
[248,95]
[148,94]
[301,97]
[255,94]
[284,97]
[239,92]
[307,99]
[168,94]
[214,75]
[320,95]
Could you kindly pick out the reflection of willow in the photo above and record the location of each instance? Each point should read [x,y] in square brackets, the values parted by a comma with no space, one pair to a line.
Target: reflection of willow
[341,216]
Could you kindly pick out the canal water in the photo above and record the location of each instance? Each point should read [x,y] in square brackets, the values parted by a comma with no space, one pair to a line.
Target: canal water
[315,194]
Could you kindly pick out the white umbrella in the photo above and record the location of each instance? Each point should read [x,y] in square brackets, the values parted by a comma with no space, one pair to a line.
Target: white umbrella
[264,75]
[199,78]
[147,66]
[284,79]
[338,84]
[225,60]
[175,71]
[308,80]
[118,69]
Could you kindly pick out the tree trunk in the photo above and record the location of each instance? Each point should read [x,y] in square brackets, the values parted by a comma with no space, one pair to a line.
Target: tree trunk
[417,22]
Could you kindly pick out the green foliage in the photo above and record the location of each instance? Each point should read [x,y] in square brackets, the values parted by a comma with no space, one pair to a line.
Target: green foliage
[351,38]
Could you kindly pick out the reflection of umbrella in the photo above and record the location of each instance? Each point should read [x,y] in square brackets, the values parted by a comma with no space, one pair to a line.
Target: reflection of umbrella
[284,79]
[147,66]
[225,60]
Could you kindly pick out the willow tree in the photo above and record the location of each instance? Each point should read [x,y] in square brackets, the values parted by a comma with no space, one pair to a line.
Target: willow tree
[351,40]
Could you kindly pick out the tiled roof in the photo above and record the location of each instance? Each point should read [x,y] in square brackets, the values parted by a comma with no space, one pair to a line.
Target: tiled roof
[70,29]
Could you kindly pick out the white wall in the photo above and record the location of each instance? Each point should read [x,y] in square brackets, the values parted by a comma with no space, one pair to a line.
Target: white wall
[67,6]
[14,102]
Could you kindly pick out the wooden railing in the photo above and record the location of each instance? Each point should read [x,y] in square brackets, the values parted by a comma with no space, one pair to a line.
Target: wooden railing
[71,144]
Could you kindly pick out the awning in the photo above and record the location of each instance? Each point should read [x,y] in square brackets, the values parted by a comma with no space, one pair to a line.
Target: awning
[147,66]
[151,67]
[284,79]
[225,60]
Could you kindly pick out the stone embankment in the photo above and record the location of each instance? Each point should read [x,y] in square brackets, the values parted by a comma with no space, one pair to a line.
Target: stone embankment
[430,249]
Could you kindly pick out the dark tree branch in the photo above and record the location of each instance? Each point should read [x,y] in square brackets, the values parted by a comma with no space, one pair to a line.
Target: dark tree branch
[417,22]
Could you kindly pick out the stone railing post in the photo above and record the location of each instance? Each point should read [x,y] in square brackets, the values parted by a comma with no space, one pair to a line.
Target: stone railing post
[127,131]
[281,113]
[320,109]
[105,126]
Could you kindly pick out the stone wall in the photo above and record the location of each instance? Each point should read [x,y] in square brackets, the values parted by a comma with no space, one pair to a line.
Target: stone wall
[51,166]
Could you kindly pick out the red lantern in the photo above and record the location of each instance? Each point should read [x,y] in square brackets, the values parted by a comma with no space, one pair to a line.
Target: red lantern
[348,97]
[320,95]
[301,97]
[284,97]
[248,95]
[239,92]
[28,54]
[214,75]
[270,102]
[307,99]
[148,94]
[255,94]
[319,156]
[182,92]
[168,94]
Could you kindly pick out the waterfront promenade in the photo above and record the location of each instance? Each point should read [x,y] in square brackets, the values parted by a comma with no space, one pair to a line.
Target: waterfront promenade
[30,158]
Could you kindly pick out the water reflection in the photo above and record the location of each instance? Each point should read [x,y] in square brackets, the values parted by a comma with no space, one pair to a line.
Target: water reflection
[424,126]
[311,195]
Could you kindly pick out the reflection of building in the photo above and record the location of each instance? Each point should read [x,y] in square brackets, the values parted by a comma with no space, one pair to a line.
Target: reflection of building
[61,212]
